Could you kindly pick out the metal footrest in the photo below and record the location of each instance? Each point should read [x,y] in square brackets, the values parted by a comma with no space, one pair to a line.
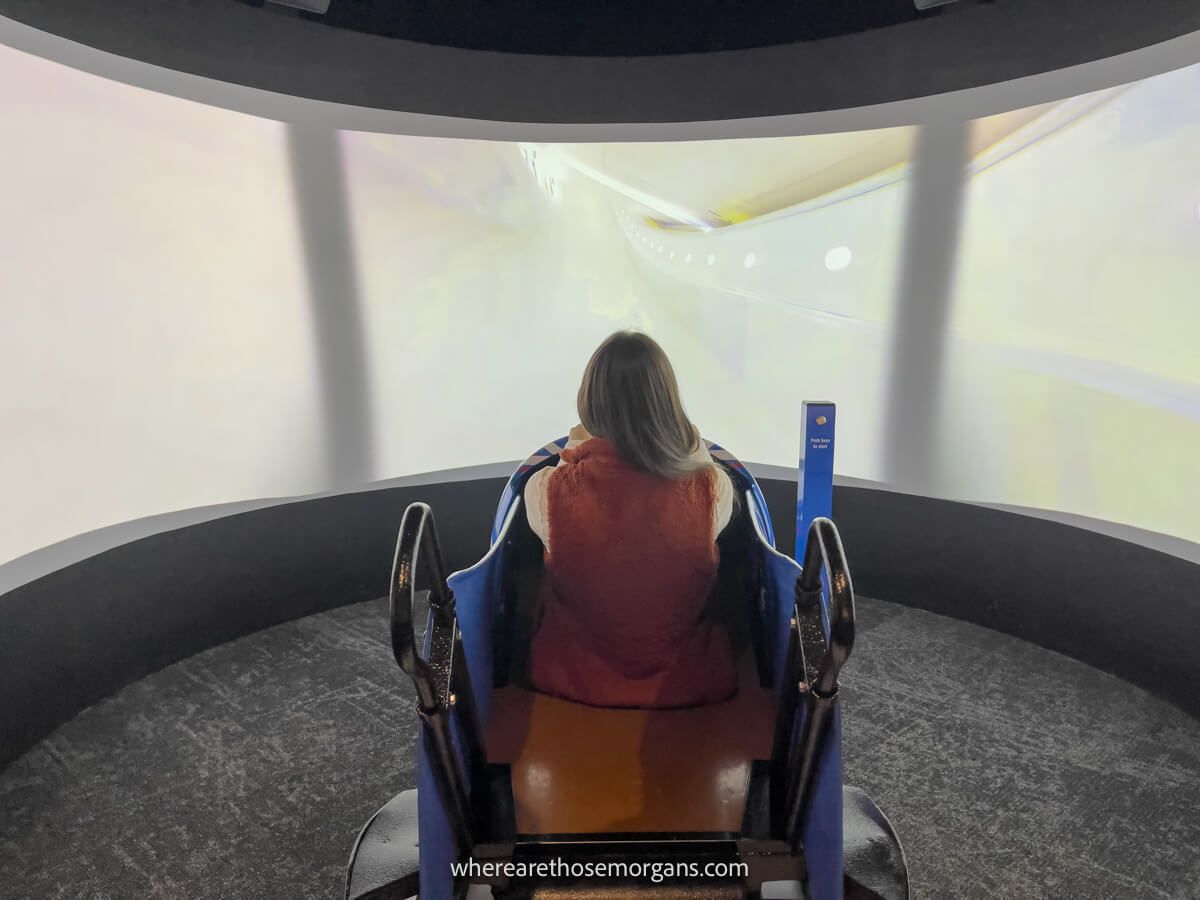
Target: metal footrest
[385,863]
[875,868]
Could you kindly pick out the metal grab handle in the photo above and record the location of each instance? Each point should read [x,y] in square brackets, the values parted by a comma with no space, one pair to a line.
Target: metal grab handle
[823,553]
[798,755]
[417,535]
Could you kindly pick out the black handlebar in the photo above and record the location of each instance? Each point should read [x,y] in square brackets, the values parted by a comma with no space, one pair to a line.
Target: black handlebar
[797,754]
[823,553]
[443,683]
[417,536]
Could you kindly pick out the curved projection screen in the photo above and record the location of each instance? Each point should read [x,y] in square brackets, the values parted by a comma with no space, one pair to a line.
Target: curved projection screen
[1074,375]
[204,307]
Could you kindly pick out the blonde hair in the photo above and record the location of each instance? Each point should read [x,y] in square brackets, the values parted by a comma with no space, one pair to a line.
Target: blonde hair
[630,397]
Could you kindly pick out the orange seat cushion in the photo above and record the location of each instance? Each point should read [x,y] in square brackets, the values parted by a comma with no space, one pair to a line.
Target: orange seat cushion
[586,769]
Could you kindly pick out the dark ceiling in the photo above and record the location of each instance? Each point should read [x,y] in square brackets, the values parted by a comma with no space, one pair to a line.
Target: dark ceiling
[612,27]
[789,62]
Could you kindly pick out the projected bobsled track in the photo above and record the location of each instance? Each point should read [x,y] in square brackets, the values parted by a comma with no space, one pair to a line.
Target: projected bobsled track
[244,771]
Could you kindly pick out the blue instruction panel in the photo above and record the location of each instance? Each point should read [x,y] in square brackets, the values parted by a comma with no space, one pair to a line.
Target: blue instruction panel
[814,487]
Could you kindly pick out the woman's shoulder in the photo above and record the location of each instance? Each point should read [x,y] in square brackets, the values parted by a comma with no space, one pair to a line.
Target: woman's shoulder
[719,476]
[701,454]
[722,480]
[536,502]
[573,447]
[536,483]
[722,485]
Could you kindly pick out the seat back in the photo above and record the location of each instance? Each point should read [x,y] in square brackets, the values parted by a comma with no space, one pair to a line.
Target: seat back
[737,600]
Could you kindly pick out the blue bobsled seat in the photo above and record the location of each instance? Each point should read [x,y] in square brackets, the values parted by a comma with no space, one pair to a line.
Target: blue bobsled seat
[492,788]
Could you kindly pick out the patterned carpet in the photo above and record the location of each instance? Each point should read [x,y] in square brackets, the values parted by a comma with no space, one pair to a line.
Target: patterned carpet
[246,771]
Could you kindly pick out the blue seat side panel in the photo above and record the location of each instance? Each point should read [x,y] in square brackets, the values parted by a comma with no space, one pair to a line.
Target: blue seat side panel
[823,828]
[435,845]
[744,481]
[436,848]
[477,597]
[780,573]
[475,593]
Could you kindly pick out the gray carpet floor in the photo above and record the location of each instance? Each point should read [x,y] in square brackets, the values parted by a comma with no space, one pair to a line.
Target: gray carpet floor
[246,771]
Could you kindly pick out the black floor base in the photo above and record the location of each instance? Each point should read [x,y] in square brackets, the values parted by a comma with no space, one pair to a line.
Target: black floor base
[247,771]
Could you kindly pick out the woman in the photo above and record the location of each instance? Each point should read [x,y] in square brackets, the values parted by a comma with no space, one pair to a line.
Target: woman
[629,520]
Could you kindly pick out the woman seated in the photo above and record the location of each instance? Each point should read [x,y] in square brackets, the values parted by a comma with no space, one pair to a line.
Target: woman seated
[629,519]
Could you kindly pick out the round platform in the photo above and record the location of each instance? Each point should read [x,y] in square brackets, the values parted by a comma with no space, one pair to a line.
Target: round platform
[247,770]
